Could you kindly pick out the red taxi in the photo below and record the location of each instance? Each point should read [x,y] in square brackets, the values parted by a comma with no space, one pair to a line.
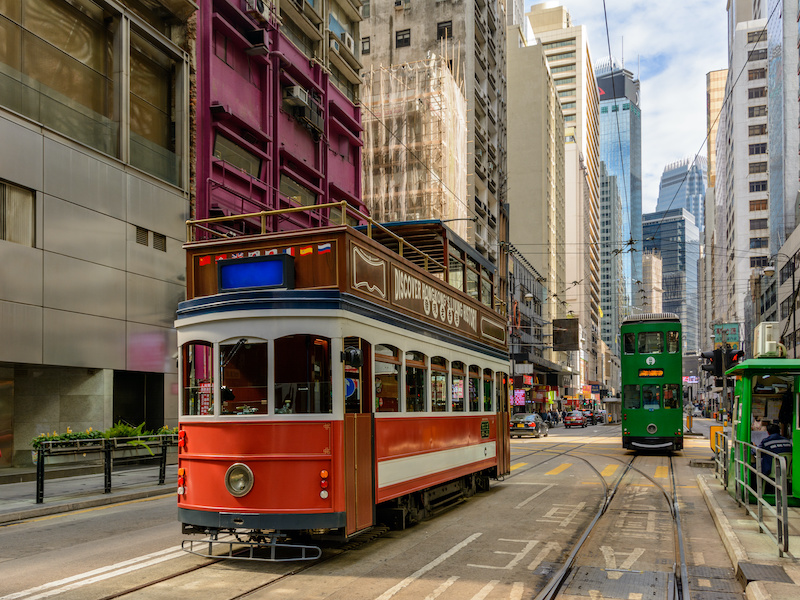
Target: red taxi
[575,419]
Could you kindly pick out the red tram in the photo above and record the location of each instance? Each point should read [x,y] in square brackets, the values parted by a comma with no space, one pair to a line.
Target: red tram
[330,384]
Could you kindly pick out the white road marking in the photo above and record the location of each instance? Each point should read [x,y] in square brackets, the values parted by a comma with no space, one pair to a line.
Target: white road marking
[529,544]
[420,572]
[516,591]
[485,590]
[441,589]
[536,495]
[550,546]
[554,515]
[611,560]
[83,579]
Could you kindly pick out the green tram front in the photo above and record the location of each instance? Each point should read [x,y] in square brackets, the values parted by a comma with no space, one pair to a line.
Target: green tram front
[652,368]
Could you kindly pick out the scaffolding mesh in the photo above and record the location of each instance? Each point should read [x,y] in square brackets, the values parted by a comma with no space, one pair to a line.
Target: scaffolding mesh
[415,144]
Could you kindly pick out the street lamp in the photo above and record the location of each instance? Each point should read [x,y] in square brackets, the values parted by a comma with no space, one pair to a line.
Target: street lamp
[769,271]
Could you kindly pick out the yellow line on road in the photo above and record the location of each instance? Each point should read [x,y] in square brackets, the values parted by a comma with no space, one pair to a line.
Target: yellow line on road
[92,509]
[662,472]
[559,468]
[609,470]
[518,465]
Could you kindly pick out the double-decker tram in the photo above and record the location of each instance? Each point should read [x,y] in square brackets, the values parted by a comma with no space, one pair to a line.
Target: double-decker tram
[331,382]
[652,393]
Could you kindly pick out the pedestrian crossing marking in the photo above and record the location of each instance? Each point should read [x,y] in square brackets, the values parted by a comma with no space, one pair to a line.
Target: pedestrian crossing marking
[609,470]
[662,472]
[559,469]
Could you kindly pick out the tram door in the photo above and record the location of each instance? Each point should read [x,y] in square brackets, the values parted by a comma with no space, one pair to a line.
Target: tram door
[359,478]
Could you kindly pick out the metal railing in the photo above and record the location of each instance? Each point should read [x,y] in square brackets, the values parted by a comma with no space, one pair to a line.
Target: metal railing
[750,485]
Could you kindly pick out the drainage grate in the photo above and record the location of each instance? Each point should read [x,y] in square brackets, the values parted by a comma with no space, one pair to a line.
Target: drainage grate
[748,572]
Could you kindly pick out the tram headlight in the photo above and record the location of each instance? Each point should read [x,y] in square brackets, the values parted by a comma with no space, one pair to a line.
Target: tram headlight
[651,428]
[239,480]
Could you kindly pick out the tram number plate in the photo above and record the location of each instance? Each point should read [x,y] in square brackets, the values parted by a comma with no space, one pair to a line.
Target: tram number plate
[484,429]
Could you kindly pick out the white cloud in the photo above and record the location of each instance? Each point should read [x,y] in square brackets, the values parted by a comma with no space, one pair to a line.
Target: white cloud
[670,46]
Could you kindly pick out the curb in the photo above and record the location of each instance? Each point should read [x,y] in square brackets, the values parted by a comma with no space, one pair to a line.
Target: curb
[54,509]
[733,546]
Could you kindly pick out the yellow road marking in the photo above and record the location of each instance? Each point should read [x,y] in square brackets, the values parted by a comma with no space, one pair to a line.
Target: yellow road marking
[609,470]
[559,469]
[95,508]
[518,465]
[662,472]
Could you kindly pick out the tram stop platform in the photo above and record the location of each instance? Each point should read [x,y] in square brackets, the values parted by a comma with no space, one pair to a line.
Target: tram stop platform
[71,488]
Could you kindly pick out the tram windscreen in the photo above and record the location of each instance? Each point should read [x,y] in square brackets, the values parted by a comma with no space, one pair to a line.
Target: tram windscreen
[303,375]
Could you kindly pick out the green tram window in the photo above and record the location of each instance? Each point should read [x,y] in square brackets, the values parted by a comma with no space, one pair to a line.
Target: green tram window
[651,396]
[673,342]
[631,397]
[651,342]
[629,343]
[671,394]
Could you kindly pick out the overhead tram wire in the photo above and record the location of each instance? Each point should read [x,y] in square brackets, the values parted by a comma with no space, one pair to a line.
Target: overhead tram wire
[761,36]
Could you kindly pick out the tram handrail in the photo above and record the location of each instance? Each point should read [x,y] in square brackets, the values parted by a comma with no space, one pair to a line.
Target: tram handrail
[193,225]
[745,469]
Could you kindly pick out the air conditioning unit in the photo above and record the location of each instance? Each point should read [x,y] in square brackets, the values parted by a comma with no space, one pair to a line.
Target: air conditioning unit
[349,42]
[258,10]
[765,341]
[295,95]
[335,45]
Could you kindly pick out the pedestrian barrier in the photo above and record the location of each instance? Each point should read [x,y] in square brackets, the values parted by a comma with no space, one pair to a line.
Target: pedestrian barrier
[110,450]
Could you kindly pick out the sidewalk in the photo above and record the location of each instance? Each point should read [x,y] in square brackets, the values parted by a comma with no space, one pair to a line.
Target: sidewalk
[765,575]
[75,488]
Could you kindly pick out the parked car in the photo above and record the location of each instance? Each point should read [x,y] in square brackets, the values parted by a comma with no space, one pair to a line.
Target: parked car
[528,424]
[575,419]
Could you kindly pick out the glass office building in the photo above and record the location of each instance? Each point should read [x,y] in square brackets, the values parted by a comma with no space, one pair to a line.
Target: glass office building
[675,236]
[683,185]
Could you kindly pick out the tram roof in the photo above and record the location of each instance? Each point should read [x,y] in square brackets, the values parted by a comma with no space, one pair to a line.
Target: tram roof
[775,365]
[644,317]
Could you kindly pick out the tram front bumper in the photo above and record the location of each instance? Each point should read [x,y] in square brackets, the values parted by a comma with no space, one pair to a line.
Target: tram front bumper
[264,521]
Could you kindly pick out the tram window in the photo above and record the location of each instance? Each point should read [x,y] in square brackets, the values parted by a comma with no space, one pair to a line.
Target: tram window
[456,269]
[357,390]
[486,288]
[198,379]
[673,342]
[629,343]
[651,396]
[474,388]
[501,390]
[671,394]
[458,386]
[487,390]
[243,366]
[473,278]
[303,375]
[438,384]
[387,378]
[651,342]
[631,397]
[416,374]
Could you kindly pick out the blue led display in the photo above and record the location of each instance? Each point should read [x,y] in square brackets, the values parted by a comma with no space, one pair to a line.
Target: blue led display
[256,272]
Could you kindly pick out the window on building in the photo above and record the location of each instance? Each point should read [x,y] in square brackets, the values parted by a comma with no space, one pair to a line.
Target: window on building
[444,30]
[758,186]
[17,216]
[564,81]
[297,192]
[563,69]
[569,118]
[757,129]
[758,204]
[757,54]
[753,74]
[757,36]
[365,9]
[758,167]
[402,38]
[562,56]
[235,155]
[604,109]
[757,148]
[759,242]
[558,44]
[570,105]
[759,92]
[757,111]
[365,46]
[758,224]
[759,261]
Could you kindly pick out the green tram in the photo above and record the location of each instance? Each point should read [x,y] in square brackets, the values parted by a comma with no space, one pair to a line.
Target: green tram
[652,392]
[768,390]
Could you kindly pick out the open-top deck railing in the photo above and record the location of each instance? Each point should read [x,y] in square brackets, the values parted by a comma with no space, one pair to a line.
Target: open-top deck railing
[206,225]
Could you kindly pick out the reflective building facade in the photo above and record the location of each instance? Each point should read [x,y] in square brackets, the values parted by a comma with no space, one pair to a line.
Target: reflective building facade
[674,235]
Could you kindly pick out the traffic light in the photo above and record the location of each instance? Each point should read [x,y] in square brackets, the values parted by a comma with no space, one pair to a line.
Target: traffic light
[732,357]
[714,365]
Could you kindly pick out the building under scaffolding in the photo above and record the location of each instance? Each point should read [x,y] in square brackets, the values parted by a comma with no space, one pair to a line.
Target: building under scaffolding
[415,144]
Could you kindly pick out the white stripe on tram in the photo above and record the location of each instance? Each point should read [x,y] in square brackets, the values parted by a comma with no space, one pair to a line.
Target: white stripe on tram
[407,468]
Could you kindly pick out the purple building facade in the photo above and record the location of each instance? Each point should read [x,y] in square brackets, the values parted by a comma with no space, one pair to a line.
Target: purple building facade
[275,128]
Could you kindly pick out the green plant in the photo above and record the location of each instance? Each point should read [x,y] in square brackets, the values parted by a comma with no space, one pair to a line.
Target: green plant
[122,429]
[119,430]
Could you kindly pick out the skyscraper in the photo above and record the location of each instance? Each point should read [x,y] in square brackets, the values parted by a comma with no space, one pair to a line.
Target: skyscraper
[612,278]
[683,185]
[620,123]
[675,236]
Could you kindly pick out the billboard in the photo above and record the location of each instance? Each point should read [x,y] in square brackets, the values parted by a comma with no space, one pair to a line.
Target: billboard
[726,333]
[566,335]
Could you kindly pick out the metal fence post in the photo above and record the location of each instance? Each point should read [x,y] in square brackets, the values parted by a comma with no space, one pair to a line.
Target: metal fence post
[40,475]
[107,466]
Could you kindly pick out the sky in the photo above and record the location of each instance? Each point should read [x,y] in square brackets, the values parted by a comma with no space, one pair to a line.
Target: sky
[670,46]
